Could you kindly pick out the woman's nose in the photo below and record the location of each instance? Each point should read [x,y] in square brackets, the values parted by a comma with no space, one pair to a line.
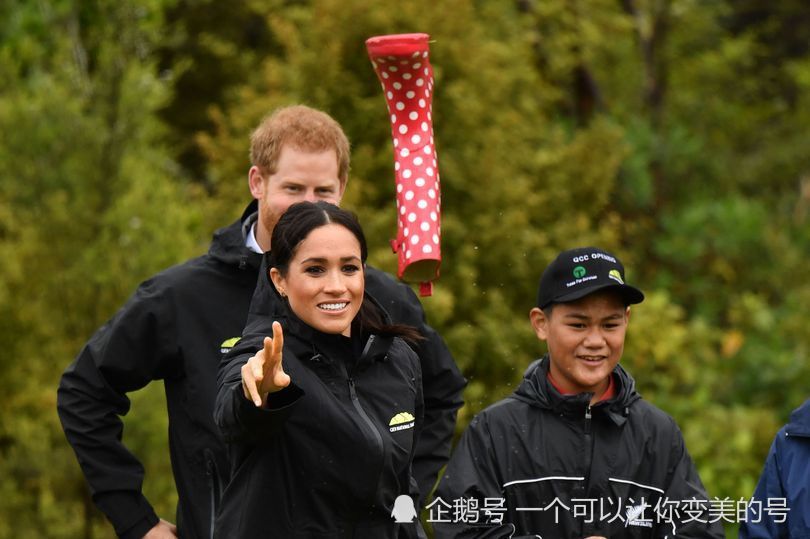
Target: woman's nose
[334,283]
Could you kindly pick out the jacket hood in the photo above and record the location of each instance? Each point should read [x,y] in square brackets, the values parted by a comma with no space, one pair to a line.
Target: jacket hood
[800,421]
[228,244]
[536,390]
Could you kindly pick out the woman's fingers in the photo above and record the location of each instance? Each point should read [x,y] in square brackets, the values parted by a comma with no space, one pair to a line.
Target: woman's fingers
[280,378]
[250,386]
[278,341]
[264,372]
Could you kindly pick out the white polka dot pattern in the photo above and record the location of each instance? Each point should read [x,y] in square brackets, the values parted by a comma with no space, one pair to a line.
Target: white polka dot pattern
[403,67]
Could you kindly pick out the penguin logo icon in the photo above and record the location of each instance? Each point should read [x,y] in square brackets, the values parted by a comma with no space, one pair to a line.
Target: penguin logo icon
[404,511]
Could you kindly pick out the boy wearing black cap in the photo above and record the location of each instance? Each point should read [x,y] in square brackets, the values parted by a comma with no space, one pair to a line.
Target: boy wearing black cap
[575,452]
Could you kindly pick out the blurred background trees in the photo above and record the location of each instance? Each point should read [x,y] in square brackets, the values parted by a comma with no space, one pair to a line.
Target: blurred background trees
[672,132]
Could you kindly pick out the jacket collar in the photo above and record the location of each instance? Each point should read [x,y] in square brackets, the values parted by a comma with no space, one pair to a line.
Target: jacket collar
[535,389]
[799,421]
[307,342]
[228,244]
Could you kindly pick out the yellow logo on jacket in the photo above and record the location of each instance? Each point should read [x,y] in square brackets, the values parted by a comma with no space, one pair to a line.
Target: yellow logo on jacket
[401,421]
[228,344]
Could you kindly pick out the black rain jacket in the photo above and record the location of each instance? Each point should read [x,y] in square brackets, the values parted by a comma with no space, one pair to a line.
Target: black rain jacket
[174,328]
[567,469]
[442,381]
[328,455]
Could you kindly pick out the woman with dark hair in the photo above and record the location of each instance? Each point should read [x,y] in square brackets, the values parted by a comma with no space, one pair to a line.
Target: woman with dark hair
[323,417]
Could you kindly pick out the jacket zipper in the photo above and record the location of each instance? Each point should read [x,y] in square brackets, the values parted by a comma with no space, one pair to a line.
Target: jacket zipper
[378,441]
[588,461]
[213,487]
[377,438]
[356,402]
[359,407]
[588,420]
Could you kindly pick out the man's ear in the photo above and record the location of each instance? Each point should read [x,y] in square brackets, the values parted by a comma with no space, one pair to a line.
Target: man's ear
[256,182]
[539,322]
[278,281]
[627,313]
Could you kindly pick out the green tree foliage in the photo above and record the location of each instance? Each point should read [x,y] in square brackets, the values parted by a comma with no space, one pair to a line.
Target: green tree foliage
[672,132]
[90,204]
[208,46]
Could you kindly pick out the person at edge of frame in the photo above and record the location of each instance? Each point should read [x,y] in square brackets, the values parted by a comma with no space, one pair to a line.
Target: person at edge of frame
[784,484]
[575,441]
[178,323]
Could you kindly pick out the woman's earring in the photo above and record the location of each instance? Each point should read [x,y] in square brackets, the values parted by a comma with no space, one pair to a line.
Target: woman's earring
[282,294]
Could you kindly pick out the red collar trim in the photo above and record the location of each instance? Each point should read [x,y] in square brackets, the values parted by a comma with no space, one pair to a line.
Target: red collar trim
[609,393]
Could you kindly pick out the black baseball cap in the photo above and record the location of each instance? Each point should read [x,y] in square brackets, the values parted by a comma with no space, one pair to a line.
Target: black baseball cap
[578,272]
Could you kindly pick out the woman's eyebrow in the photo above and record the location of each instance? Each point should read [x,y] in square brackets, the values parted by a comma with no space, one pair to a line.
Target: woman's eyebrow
[323,260]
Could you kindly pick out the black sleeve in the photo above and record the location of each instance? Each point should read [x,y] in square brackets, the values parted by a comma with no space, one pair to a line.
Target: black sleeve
[136,346]
[685,484]
[472,473]
[443,383]
[413,487]
[238,418]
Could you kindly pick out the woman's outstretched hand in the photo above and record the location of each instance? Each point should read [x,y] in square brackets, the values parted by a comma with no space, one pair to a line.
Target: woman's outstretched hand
[263,373]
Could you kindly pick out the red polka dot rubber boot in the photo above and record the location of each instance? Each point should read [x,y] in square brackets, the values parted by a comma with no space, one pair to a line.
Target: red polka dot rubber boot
[402,64]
